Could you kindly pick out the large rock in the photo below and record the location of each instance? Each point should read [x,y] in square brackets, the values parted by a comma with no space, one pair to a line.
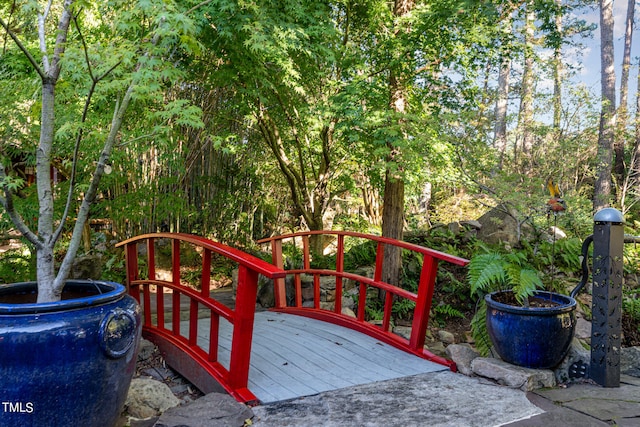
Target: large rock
[498,227]
[149,398]
[145,349]
[462,355]
[583,328]
[513,376]
[214,409]
[630,361]
[86,267]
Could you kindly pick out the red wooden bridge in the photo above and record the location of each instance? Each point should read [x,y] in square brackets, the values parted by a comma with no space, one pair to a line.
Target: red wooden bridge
[294,349]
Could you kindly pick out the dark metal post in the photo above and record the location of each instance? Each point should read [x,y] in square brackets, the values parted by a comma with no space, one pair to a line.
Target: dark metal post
[606,306]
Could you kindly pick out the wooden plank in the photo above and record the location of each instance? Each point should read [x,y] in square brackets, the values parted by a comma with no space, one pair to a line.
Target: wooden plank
[294,356]
[359,350]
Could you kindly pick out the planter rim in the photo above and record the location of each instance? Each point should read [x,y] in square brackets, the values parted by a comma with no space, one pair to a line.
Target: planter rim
[568,304]
[108,292]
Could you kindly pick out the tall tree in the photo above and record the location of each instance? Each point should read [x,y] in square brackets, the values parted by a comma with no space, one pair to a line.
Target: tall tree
[622,115]
[606,132]
[502,100]
[105,55]
[393,202]
[525,118]
[557,70]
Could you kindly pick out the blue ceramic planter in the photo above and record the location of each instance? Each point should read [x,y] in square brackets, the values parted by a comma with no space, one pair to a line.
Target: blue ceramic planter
[535,337]
[67,363]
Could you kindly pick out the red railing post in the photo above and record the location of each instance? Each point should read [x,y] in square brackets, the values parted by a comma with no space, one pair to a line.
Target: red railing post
[339,269]
[131,262]
[243,328]
[175,294]
[423,304]
[279,290]
[306,257]
[151,273]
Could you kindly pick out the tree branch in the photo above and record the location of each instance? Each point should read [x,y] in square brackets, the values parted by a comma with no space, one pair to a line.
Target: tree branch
[90,194]
[22,47]
[199,5]
[7,204]
[83,120]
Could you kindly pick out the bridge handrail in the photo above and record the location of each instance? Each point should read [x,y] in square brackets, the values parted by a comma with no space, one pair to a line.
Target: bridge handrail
[426,286]
[235,378]
[399,243]
[262,267]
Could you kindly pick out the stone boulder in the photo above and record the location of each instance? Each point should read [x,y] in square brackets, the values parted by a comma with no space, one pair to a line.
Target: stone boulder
[149,398]
[462,355]
[86,267]
[498,227]
[630,361]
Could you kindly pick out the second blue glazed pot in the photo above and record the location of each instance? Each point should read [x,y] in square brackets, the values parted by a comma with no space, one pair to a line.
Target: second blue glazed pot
[533,337]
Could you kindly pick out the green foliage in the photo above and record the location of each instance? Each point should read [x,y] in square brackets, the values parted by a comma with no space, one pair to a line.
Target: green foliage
[115,268]
[292,256]
[443,312]
[631,305]
[403,308]
[16,265]
[479,329]
[360,255]
[494,271]
[489,272]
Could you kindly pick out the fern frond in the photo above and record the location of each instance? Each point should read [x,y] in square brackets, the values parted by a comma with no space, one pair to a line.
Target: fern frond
[479,330]
[486,272]
[528,282]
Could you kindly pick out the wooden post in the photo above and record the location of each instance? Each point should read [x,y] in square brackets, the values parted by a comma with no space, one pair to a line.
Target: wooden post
[423,304]
[280,293]
[243,327]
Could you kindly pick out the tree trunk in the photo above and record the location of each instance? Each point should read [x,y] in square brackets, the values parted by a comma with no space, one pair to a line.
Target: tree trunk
[633,174]
[602,190]
[393,199]
[500,130]
[525,122]
[622,116]
[557,75]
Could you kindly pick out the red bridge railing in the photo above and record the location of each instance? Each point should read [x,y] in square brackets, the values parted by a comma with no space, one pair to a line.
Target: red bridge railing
[201,365]
[383,332]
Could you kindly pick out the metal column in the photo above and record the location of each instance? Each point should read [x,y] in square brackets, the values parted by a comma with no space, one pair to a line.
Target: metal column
[606,306]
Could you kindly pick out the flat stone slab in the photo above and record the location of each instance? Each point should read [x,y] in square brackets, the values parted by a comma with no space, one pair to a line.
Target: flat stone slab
[614,405]
[440,399]
[213,409]
[513,376]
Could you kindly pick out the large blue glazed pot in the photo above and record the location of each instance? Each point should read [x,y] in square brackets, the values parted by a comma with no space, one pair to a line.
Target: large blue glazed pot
[533,337]
[67,363]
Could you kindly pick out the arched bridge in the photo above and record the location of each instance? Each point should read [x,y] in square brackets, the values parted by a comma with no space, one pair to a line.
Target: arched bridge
[300,347]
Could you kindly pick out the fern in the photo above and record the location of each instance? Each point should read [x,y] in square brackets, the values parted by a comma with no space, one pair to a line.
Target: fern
[526,285]
[448,311]
[492,272]
[479,330]
[486,273]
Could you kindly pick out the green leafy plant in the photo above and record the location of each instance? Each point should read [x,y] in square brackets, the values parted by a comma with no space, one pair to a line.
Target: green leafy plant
[16,266]
[489,272]
[494,271]
[441,312]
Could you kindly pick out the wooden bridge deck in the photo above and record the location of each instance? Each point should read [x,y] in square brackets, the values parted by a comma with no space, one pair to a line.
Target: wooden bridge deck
[294,356]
